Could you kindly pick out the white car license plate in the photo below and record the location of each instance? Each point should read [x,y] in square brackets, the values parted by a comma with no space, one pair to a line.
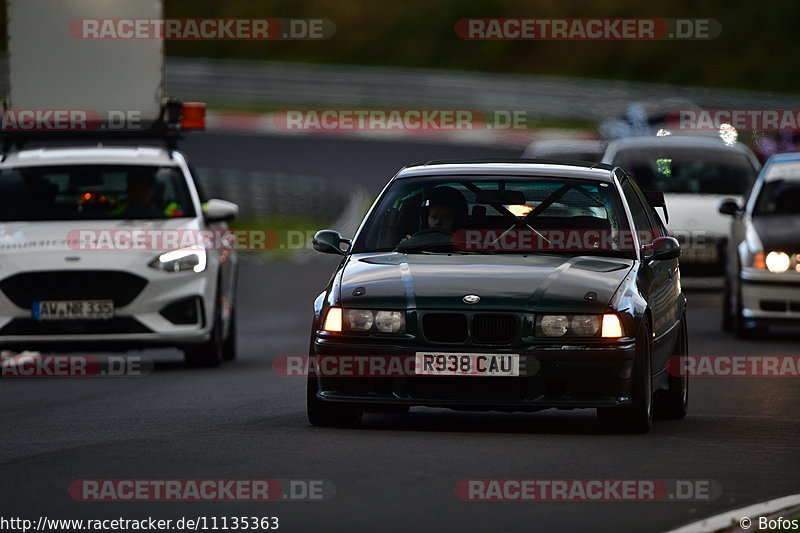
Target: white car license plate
[700,254]
[72,309]
[466,364]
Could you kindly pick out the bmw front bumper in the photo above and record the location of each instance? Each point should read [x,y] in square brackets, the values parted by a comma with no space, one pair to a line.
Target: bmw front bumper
[569,376]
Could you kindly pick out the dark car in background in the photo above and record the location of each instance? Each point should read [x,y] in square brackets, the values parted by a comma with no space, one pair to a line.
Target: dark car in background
[644,118]
[590,150]
[440,272]
[695,174]
[762,264]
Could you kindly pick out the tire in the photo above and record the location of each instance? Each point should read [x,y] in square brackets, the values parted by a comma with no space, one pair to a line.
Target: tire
[673,403]
[210,353]
[229,344]
[637,417]
[727,306]
[327,414]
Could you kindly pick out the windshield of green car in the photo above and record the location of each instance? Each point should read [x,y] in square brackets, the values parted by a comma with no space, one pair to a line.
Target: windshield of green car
[498,215]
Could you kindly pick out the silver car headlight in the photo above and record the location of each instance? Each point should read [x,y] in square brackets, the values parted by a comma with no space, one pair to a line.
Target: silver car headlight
[778,262]
[191,258]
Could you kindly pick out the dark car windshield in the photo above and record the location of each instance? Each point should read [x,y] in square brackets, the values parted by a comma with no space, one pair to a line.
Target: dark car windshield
[688,170]
[780,195]
[93,192]
[474,214]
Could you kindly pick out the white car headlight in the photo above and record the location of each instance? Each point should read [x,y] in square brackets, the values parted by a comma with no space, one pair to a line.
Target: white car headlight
[191,258]
[778,262]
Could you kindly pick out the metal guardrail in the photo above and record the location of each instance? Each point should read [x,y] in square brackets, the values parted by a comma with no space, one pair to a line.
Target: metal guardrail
[286,85]
[282,85]
[264,194]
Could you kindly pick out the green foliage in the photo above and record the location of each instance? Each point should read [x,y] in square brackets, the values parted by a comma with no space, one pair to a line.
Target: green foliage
[756,49]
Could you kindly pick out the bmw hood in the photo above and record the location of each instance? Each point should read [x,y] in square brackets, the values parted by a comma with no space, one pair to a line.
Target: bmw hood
[503,282]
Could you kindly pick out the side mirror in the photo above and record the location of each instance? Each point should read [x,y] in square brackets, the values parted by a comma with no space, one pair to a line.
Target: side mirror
[664,248]
[328,242]
[729,207]
[219,210]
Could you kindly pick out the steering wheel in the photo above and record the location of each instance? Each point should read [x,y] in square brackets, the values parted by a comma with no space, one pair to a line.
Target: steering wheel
[432,231]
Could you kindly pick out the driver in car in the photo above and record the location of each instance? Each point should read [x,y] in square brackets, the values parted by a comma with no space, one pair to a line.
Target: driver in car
[444,210]
[142,199]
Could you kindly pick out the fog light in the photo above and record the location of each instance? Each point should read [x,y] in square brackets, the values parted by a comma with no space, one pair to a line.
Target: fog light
[185,311]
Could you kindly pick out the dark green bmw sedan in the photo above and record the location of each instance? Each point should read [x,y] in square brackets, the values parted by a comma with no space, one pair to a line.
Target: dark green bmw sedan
[503,285]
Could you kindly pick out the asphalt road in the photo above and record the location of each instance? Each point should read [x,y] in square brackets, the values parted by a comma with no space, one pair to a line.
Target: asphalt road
[395,473]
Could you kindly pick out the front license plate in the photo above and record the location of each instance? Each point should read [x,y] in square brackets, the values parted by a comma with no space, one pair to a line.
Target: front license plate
[73,309]
[466,364]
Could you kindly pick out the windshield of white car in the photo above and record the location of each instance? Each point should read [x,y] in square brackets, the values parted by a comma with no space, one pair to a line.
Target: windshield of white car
[688,170]
[498,215]
[93,192]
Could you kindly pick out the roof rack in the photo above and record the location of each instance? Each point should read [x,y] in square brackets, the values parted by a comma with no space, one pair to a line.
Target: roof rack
[175,118]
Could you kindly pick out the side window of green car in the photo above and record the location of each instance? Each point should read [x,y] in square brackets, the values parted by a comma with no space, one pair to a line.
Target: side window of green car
[644,227]
[652,215]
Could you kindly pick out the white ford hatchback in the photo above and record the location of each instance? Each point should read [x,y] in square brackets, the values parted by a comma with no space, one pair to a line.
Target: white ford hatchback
[99,251]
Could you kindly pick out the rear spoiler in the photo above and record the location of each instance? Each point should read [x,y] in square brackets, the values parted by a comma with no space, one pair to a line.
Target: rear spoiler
[656,199]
